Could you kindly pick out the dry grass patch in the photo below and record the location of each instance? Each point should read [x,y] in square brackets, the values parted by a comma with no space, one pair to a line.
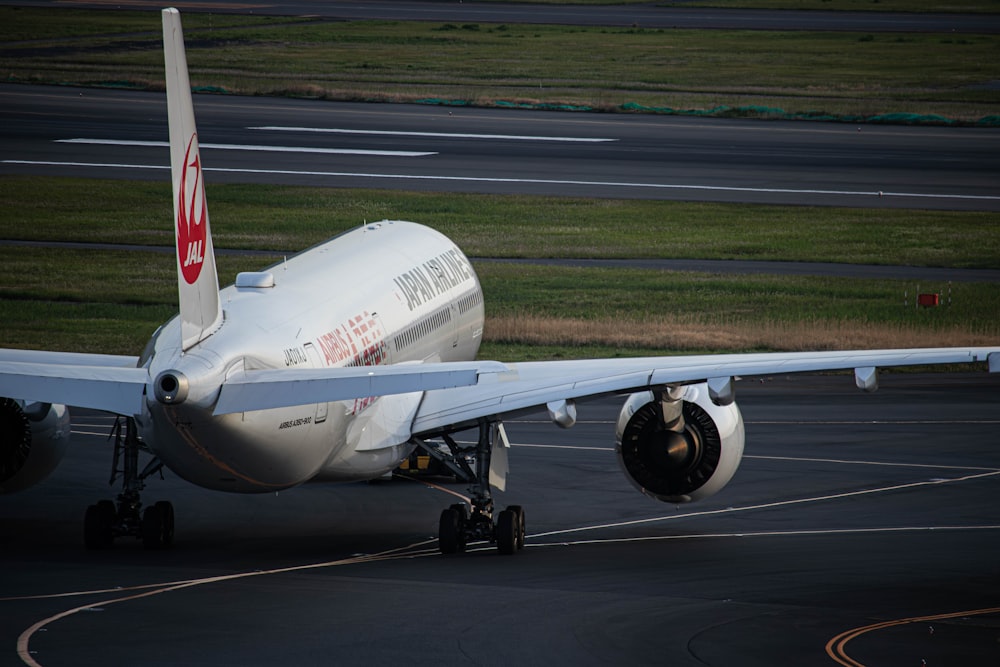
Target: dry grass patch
[696,334]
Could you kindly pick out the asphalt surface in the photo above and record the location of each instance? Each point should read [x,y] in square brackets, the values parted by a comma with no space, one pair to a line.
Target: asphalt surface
[121,134]
[643,15]
[849,509]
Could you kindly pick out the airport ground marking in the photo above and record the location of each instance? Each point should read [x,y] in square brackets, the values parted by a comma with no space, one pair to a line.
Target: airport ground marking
[797,459]
[414,550]
[771,533]
[251,147]
[772,505]
[516,181]
[420,549]
[836,647]
[441,135]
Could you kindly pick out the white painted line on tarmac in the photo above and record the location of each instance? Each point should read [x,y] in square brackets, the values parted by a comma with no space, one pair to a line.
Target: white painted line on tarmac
[250,147]
[591,449]
[773,505]
[795,459]
[776,533]
[521,181]
[890,464]
[440,135]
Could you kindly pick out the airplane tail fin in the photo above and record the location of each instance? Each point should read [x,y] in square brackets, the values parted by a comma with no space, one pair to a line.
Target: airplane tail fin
[197,279]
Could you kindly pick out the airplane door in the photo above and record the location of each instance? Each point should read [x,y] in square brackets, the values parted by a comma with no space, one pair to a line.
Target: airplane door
[321,408]
[455,328]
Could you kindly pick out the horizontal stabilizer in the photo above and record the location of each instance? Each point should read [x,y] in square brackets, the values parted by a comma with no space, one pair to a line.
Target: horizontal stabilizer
[110,388]
[266,389]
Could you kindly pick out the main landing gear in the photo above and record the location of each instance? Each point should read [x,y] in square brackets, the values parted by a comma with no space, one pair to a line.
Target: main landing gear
[105,521]
[461,524]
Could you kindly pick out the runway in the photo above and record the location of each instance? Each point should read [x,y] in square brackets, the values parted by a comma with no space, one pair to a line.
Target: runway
[849,509]
[640,15]
[121,135]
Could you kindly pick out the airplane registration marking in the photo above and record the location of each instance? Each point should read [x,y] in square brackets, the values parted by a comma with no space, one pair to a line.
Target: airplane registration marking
[249,147]
[532,181]
[442,135]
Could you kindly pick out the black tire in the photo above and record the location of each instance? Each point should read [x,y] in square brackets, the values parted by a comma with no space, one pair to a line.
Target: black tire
[157,526]
[506,532]
[167,509]
[521,526]
[463,511]
[98,525]
[450,531]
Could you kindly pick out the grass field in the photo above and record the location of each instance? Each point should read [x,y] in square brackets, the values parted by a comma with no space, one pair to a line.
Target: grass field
[112,300]
[756,73]
[288,219]
[941,6]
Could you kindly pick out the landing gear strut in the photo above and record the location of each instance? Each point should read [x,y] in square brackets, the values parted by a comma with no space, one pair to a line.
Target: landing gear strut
[105,521]
[461,524]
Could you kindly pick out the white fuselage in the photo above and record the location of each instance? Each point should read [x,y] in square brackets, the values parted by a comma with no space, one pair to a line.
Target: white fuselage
[387,293]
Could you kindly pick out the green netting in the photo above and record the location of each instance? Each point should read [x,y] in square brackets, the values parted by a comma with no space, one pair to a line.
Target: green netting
[447,103]
[209,89]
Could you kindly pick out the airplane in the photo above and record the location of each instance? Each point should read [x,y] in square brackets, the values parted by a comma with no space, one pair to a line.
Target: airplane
[336,364]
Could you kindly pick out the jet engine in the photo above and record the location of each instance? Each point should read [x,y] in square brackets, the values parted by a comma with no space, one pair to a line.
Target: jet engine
[33,439]
[679,446]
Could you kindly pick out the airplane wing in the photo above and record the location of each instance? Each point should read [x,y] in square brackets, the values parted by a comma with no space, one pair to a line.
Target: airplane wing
[457,392]
[529,385]
[99,381]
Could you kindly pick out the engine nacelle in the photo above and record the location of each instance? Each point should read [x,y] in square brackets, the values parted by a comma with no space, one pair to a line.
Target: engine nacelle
[685,465]
[33,439]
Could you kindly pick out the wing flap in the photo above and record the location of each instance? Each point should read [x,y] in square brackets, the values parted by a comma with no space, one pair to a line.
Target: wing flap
[533,384]
[266,389]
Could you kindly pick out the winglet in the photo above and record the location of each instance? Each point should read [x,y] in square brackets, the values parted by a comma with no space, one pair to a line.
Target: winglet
[197,280]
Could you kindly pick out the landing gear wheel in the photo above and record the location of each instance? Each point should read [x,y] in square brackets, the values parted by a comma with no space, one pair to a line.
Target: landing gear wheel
[158,526]
[521,527]
[476,521]
[98,525]
[450,531]
[507,531]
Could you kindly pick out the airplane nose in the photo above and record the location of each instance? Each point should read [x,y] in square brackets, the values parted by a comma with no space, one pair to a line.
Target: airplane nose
[171,387]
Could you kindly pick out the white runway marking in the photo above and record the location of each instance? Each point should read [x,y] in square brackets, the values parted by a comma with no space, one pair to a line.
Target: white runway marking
[797,459]
[776,533]
[891,464]
[250,147]
[526,181]
[779,503]
[442,135]
[426,548]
